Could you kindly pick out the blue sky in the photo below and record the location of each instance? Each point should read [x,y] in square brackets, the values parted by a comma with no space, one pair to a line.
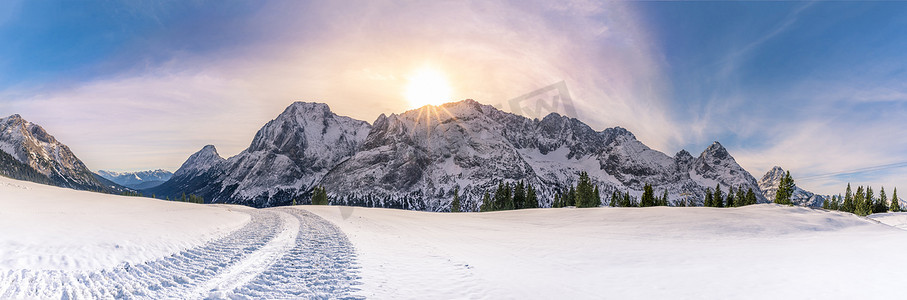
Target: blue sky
[819,88]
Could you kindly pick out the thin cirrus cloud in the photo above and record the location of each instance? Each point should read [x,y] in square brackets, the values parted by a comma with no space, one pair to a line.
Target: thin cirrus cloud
[153,108]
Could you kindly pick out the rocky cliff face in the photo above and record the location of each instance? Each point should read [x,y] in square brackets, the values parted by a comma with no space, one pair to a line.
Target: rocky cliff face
[31,153]
[417,159]
[287,157]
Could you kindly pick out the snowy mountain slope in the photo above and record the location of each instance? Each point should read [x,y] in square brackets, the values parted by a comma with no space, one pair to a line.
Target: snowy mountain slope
[137,180]
[35,155]
[287,157]
[417,159]
[769,186]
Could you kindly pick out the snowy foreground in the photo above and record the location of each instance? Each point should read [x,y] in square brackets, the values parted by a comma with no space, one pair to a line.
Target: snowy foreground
[58,243]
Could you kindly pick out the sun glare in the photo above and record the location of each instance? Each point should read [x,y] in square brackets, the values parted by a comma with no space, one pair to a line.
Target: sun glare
[427,87]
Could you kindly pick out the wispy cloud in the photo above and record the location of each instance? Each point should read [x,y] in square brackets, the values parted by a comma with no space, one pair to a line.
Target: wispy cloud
[355,57]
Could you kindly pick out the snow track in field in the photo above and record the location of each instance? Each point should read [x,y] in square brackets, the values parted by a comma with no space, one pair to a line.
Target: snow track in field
[280,253]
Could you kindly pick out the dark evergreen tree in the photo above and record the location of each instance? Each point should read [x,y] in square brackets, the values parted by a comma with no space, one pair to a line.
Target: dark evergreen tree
[835,203]
[825,203]
[740,199]
[455,204]
[627,201]
[718,198]
[863,208]
[664,199]
[785,189]
[519,196]
[750,197]
[895,205]
[730,197]
[487,204]
[648,196]
[614,199]
[584,191]
[883,201]
[571,197]
[848,205]
[319,196]
[532,200]
[708,198]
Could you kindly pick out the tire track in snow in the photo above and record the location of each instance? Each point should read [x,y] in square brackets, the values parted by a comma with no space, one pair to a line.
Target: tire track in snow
[169,277]
[321,266]
[258,262]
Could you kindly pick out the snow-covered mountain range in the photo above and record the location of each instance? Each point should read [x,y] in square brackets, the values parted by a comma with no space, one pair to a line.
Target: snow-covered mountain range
[137,180]
[28,152]
[418,158]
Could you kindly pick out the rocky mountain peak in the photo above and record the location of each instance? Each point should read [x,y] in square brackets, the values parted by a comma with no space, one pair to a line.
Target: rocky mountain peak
[715,150]
[200,161]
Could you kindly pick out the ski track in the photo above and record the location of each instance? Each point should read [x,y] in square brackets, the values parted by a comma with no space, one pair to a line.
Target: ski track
[280,253]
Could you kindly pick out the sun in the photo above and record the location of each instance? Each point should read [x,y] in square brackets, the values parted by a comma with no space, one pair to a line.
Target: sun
[427,86]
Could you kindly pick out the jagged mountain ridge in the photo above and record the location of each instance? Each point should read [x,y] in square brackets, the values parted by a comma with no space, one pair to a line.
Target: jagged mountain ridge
[772,179]
[137,180]
[31,153]
[287,157]
[416,159]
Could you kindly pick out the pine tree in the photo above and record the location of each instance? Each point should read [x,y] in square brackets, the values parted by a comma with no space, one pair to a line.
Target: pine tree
[740,199]
[627,202]
[895,206]
[557,201]
[825,203]
[584,196]
[881,205]
[730,197]
[487,205]
[848,205]
[870,198]
[883,201]
[648,196]
[750,197]
[455,204]
[571,197]
[614,199]
[320,196]
[863,208]
[785,189]
[294,202]
[519,196]
[708,198]
[532,200]
[664,198]
[835,202]
[718,198]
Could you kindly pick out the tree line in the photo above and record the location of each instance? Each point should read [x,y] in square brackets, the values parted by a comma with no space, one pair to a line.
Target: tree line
[863,202]
[506,197]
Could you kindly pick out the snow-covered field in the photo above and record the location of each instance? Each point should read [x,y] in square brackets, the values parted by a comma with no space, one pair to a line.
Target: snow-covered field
[756,252]
[58,243]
